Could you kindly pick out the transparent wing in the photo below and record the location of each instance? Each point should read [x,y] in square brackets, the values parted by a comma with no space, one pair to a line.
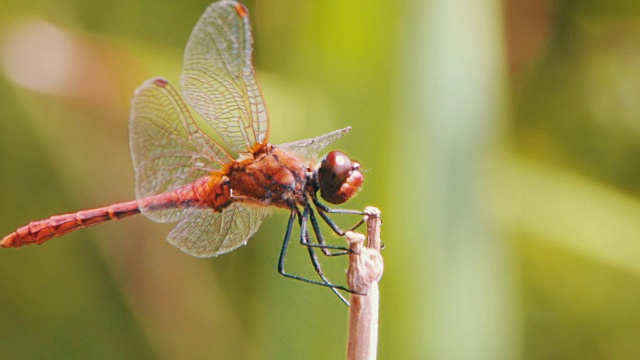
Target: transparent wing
[204,233]
[218,78]
[167,147]
[309,148]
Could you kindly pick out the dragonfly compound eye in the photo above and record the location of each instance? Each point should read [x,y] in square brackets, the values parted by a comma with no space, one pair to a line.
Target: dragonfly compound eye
[339,177]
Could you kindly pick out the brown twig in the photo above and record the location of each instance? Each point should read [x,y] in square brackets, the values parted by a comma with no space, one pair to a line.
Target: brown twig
[365,270]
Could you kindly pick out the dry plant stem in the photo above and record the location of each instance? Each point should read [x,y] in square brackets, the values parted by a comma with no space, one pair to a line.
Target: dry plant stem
[365,270]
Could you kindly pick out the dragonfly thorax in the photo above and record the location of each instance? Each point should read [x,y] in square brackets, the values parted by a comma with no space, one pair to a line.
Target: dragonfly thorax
[272,178]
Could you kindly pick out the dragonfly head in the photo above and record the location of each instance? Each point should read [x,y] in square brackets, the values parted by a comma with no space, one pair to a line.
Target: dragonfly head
[339,178]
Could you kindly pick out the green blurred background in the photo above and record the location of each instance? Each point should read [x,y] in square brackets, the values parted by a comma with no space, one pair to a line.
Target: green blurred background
[500,141]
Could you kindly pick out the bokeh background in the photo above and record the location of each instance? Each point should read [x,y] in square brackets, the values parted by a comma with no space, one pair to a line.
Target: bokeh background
[500,140]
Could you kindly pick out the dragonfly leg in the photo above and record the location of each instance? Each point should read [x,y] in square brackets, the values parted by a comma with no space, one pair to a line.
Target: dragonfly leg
[324,209]
[310,215]
[305,239]
[283,255]
[321,243]
[327,209]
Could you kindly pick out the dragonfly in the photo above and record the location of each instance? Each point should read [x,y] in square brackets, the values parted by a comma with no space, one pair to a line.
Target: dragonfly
[183,175]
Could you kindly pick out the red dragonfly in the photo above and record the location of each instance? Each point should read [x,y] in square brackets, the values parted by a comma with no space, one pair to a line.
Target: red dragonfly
[182,174]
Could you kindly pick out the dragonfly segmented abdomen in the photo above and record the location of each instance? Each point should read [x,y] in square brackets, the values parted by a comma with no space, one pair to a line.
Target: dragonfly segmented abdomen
[39,231]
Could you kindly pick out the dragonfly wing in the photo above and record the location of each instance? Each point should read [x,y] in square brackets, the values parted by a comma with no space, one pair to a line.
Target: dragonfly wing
[167,147]
[218,78]
[205,233]
[309,148]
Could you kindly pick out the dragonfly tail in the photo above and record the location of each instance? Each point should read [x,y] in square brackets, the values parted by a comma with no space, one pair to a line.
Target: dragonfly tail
[39,231]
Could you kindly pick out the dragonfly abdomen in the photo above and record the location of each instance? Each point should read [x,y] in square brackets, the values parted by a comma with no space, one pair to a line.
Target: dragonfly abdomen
[211,191]
[39,231]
